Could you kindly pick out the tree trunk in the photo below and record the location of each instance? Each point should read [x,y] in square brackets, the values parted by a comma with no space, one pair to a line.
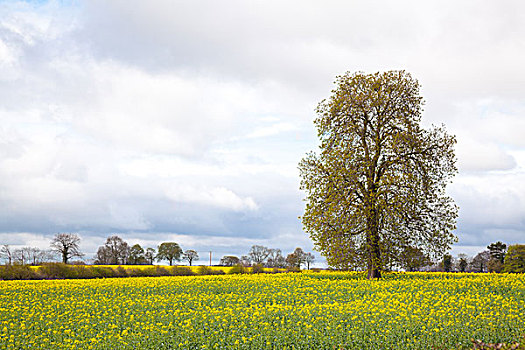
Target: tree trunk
[374,252]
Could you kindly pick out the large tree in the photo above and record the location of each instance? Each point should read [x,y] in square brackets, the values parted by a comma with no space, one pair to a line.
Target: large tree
[480,261]
[515,259]
[150,255]
[275,259]
[377,184]
[114,252]
[229,260]
[67,245]
[258,254]
[297,258]
[136,255]
[169,251]
[497,251]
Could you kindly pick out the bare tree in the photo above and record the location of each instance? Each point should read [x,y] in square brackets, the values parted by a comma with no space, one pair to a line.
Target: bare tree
[34,255]
[114,252]
[22,255]
[308,259]
[103,256]
[7,253]
[480,261]
[275,259]
[258,254]
[66,244]
[190,255]
[246,261]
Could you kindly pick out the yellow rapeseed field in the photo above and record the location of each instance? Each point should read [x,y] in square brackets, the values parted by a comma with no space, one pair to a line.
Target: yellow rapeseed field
[327,310]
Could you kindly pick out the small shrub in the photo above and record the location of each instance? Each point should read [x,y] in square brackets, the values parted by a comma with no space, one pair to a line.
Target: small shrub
[57,271]
[77,262]
[17,272]
[84,271]
[121,272]
[181,271]
[161,271]
[293,269]
[205,270]
[257,268]
[237,269]
[102,272]
[141,272]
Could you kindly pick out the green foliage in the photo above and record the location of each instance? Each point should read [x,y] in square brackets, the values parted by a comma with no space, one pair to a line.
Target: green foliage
[497,251]
[413,259]
[378,183]
[515,259]
[190,255]
[169,251]
[136,255]
[229,260]
[447,263]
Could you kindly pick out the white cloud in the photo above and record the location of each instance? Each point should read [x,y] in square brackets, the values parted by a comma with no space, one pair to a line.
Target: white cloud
[272,130]
[476,155]
[218,196]
[113,111]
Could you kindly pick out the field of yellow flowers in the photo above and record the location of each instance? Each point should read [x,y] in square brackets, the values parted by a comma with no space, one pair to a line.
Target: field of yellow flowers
[326,310]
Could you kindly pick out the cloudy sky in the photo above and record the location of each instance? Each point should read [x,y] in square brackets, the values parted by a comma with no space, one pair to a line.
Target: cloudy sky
[185,120]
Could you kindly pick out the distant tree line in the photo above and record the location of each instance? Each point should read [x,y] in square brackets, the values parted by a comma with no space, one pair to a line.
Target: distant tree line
[116,251]
[496,258]
[271,258]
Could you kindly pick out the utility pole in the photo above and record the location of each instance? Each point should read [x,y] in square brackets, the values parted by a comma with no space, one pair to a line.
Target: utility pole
[210,257]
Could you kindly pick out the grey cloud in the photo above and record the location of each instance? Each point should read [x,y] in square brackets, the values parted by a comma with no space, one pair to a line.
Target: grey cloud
[133,117]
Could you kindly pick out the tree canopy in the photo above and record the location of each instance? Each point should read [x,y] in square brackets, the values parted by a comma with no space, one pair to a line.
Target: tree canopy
[190,255]
[169,251]
[497,251]
[377,184]
[515,259]
[114,252]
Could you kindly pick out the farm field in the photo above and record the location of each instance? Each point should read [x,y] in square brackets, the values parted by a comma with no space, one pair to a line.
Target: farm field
[323,310]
